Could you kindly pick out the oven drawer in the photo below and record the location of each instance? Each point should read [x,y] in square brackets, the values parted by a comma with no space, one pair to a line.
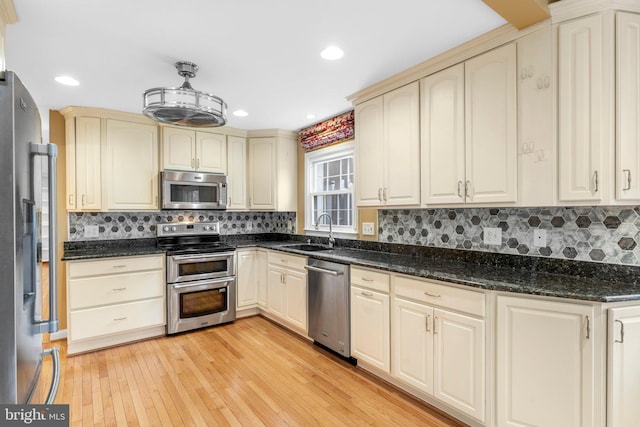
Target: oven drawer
[115,265]
[112,319]
[102,290]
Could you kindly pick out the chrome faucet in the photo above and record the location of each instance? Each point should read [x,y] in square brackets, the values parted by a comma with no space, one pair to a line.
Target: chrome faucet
[331,239]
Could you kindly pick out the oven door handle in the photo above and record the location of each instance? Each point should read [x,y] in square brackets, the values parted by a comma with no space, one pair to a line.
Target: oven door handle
[199,257]
[201,282]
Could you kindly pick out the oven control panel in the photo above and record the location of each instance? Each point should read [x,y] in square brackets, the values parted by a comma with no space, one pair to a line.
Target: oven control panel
[187,228]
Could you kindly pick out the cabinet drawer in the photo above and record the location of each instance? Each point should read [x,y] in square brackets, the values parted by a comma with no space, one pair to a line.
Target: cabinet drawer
[111,319]
[115,265]
[102,290]
[287,260]
[370,279]
[440,295]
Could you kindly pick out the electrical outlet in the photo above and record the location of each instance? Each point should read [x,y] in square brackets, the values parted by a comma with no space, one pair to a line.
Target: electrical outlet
[367,229]
[492,236]
[249,225]
[91,230]
[289,225]
[539,238]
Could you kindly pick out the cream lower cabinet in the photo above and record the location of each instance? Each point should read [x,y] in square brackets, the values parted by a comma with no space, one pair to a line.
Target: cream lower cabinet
[114,301]
[436,349]
[261,274]
[131,166]
[624,367]
[370,318]
[287,290]
[545,363]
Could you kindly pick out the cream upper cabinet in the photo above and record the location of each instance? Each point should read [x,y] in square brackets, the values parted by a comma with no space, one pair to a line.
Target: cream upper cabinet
[388,149]
[131,166]
[272,173]
[490,126]
[627,170]
[583,108]
[88,164]
[624,369]
[189,150]
[536,149]
[442,137]
[236,173]
[545,363]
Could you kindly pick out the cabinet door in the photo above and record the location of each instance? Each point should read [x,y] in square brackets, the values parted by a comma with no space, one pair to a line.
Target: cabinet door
[442,139]
[246,279]
[369,152]
[178,149]
[402,147]
[370,339]
[628,106]
[580,109]
[262,173]
[296,285]
[131,166]
[276,292]
[459,363]
[544,363]
[261,277]
[211,152]
[70,149]
[412,344]
[88,163]
[490,116]
[536,154]
[236,173]
[624,369]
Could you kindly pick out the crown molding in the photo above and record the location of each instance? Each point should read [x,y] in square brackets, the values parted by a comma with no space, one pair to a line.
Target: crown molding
[570,9]
[277,133]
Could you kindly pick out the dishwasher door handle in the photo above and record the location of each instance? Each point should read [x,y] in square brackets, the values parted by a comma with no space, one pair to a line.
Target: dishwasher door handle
[323,270]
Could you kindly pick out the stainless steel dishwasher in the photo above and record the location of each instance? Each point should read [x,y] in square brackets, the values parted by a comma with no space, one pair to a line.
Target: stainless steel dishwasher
[328,305]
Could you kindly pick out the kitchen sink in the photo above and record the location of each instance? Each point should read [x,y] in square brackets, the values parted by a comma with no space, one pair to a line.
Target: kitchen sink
[308,247]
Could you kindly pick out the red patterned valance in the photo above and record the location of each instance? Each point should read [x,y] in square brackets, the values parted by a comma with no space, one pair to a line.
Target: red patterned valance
[336,129]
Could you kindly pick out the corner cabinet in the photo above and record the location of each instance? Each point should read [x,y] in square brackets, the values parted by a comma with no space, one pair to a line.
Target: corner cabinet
[545,363]
[251,281]
[272,170]
[114,301]
[191,150]
[388,149]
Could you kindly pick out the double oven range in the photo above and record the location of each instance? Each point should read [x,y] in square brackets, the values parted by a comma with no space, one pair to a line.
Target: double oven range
[201,282]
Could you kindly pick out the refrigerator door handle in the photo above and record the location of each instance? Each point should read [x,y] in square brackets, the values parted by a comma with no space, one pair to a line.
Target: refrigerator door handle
[51,152]
[54,352]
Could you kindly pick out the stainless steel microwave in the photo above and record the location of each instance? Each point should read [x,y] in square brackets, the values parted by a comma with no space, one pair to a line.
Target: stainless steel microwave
[193,190]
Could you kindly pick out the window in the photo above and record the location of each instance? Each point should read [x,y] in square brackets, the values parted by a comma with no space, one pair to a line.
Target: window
[330,188]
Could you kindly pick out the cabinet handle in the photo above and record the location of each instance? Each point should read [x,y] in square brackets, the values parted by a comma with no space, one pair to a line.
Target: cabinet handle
[120,266]
[119,289]
[595,182]
[193,163]
[540,83]
[384,194]
[468,190]
[117,319]
[628,173]
[198,163]
[366,294]
[435,325]
[229,202]
[82,200]
[380,194]
[427,323]
[460,189]
[364,279]
[71,199]
[588,327]
[432,295]
[621,340]
[547,81]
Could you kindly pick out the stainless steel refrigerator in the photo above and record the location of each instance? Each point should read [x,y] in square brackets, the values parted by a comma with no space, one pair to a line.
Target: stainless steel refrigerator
[23,160]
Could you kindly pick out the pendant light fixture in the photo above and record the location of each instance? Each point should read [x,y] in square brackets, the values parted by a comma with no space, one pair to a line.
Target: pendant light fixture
[185,106]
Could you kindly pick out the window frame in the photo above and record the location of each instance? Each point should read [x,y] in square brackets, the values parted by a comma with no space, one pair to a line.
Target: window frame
[325,154]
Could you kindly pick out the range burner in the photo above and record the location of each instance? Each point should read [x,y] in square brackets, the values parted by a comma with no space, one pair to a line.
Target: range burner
[190,238]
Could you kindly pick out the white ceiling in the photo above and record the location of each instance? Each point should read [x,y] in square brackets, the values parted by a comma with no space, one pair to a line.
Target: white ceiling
[260,56]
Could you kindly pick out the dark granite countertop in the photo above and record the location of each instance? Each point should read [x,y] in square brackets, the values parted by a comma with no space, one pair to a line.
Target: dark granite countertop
[586,281]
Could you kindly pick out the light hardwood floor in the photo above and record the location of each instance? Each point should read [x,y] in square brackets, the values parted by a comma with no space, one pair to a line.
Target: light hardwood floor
[247,373]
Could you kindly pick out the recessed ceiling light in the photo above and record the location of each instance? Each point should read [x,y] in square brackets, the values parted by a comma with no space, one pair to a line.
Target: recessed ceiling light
[240,113]
[311,116]
[332,53]
[67,80]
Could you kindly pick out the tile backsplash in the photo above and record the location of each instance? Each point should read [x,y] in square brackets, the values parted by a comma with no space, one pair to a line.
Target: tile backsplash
[608,234]
[135,225]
